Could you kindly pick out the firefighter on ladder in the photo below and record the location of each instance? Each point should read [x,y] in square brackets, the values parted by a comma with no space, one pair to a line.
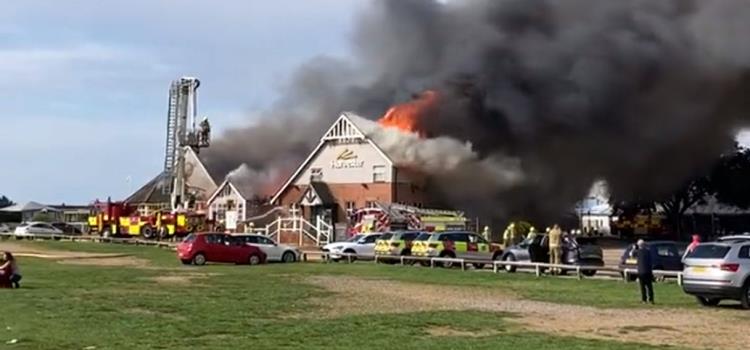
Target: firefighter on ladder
[205,132]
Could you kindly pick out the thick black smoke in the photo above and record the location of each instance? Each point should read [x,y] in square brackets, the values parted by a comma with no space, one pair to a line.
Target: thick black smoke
[644,94]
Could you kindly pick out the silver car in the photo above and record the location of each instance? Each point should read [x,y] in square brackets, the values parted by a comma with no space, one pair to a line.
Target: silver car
[717,271]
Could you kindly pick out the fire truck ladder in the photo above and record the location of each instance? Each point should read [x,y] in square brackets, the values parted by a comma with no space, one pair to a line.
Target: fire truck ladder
[171,146]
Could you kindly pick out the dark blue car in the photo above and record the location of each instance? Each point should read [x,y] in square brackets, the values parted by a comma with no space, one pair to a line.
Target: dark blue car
[665,255]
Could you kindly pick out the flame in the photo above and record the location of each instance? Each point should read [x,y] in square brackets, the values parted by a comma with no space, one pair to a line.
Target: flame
[409,116]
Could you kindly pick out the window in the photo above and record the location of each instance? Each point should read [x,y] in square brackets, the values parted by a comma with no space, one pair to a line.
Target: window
[351,206]
[476,239]
[371,238]
[212,239]
[316,174]
[378,173]
[666,250]
[370,204]
[409,236]
[709,251]
[226,191]
[250,239]
[744,252]
[264,240]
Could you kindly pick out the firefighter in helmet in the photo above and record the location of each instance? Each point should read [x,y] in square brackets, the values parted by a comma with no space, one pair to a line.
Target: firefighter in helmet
[486,233]
[205,132]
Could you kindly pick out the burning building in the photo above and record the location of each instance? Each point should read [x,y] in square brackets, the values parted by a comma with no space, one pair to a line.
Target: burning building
[348,170]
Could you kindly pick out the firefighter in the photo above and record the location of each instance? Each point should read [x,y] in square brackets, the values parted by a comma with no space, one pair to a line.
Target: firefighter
[532,233]
[205,132]
[555,247]
[486,233]
[506,236]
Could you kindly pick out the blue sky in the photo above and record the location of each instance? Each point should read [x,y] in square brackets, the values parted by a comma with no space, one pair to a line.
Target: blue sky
[84,84]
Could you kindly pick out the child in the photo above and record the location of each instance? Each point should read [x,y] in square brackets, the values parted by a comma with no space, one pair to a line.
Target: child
[11,266]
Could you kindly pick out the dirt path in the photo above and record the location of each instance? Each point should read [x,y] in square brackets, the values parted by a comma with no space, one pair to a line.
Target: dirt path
[716,329]
[72,257]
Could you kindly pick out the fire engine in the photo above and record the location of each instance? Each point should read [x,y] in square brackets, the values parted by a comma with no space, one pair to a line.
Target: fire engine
[639,223]
[120,219]
[383,218]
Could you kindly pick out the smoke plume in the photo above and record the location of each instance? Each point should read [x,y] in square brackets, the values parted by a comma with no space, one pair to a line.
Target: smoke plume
[538,98]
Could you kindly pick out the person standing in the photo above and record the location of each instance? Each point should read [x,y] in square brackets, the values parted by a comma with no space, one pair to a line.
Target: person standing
[645,273]
[555,247]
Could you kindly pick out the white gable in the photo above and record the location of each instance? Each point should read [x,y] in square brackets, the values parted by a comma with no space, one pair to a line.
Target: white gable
[344,155]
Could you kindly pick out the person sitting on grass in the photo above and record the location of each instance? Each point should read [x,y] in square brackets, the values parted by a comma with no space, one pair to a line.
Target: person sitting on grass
[10,271]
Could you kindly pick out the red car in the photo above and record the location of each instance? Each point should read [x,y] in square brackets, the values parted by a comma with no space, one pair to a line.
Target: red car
[218,247]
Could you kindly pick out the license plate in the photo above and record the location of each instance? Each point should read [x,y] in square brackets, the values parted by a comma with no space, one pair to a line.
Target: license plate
[630,261]
[699,269]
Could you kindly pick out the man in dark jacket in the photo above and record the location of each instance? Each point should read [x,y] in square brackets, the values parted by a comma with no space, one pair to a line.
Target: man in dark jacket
[645,273]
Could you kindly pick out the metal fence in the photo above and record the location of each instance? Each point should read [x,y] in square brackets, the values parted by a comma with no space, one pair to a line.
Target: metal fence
[433,262]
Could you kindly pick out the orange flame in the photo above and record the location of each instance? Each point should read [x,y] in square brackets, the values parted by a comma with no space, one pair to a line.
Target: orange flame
[409,116]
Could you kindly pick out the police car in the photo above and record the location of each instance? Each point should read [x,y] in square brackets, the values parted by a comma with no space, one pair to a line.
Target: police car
[457,244]
[397,243]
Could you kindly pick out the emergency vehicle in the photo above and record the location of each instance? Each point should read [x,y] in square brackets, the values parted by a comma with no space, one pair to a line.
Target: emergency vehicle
[120,219]
[457,244]
[397,217]
[641,224]
[397,243]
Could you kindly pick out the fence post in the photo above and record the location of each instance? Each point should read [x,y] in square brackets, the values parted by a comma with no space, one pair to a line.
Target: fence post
[679,279]
[578,272]
[538,270]
[625,276]
[494,267]
[463,265]
[432,263]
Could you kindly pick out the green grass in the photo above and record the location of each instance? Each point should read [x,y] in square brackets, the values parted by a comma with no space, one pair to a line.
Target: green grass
[74,307]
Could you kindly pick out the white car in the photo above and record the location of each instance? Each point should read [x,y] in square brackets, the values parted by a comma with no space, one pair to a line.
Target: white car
[4,228]
[36,228]
[361,245]
[273,250]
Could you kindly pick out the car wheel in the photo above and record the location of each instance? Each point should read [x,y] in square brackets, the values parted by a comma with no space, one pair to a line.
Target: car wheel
[478,266]
[253,260]
[288,257]
[588,273]
[447,264]
[199,259]
[707,301]
[509,268]
[186,261]
[352,258]
[745,297]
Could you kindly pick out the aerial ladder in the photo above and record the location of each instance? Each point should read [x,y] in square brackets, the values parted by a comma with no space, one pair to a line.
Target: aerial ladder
[181,134]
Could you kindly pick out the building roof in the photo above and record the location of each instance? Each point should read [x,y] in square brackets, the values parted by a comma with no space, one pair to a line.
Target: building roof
[347,127]
[28,206]
[153,191]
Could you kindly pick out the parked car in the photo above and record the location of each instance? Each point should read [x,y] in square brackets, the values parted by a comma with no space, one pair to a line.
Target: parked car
[580,251]
[4,228]
[67,229]
[363,246]
[274,251]
[396,243]
[665,255]
[717,271]
[201,248]
[36,228]
[457,244]
[742,237]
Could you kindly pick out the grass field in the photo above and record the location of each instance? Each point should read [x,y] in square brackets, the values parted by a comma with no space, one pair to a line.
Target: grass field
[169,306]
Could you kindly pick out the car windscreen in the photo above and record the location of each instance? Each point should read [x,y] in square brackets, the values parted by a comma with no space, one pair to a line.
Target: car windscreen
[386,236]
[423,237]
[354,238]
[189,238]
[709,251]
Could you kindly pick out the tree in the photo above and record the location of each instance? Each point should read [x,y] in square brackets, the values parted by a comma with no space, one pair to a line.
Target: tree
[730,179]
[5,202]
[676,204]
